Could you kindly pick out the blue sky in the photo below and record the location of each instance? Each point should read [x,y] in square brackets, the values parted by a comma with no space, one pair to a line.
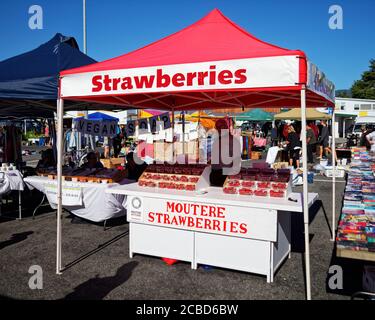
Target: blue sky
[119,26]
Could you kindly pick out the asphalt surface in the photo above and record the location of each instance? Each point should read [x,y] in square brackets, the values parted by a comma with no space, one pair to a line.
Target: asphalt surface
[98,265]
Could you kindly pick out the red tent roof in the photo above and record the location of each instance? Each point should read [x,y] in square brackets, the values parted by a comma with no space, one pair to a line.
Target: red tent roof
[212,38]
[274,75]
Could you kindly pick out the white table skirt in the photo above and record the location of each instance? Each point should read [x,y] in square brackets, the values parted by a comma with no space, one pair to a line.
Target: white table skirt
[98,205]
[13,180]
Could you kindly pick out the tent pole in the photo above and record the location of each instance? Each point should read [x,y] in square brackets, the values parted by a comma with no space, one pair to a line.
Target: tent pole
[60,145]
[305,193]
[173,153]
[333,155]
[183,133]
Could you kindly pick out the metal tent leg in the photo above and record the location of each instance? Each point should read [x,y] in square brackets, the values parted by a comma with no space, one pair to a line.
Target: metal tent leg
[19,205]
[39,205]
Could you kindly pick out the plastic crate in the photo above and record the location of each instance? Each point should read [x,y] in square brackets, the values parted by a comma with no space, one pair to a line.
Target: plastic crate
[339,173]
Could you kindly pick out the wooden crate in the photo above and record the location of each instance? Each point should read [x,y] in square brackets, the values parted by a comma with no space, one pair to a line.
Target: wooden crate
[112,163]
[256,155]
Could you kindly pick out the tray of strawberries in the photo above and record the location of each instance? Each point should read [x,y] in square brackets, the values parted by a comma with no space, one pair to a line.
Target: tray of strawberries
[261,193]
[277,193]
[166,176]
[258,182]
[246,191]
[230,190]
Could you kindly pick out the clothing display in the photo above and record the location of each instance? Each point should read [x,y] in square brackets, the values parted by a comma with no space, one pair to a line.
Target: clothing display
[10,143]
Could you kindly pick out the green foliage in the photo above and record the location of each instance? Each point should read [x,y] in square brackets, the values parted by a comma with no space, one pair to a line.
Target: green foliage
[365,88]
[343,94]
[31,135]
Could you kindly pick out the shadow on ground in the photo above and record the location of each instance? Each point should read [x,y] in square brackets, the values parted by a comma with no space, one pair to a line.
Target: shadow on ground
[15,238]
[352,273]
[297,225]
[99,288]
[96,250]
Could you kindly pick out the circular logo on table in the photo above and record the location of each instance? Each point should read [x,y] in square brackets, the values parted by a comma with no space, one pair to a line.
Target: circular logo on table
[136,203]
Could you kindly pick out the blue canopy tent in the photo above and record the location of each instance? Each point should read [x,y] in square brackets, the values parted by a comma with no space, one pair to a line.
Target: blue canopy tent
[29,81]
[99,116]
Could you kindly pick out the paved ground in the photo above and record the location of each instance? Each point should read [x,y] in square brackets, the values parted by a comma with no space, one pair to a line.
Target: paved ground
[98,265]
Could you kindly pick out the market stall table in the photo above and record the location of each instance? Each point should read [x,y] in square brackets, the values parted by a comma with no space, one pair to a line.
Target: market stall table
[356,230]
[87,200]
[237,232]
[12,180]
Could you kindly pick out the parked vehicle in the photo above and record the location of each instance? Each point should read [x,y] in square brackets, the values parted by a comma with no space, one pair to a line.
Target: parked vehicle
[356,129]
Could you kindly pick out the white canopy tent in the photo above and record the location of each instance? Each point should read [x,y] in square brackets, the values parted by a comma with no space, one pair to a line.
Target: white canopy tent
[209,65]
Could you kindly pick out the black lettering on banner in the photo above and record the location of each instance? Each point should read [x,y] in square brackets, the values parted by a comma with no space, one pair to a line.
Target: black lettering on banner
[104,129]
[81,124]
[153,123]
[112,130]
[143,125]
[166,119]
[96,127]
[88,127]
[130,128]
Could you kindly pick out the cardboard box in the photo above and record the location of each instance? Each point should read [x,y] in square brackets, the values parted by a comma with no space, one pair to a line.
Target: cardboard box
[256,155]
[179,148]
[112,162]
[280,165]
[163,151]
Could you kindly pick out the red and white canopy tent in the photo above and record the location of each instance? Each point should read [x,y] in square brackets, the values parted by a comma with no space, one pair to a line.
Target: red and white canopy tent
[211,64]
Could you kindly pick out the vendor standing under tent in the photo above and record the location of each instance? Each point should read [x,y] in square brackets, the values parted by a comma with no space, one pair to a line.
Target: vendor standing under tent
[294,147]
[226,154]
[92,161]
[324,140]
[47,160]
[135,166]
[311,141]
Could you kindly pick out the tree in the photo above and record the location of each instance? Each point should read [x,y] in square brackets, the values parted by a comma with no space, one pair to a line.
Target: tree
[365,88]
[343,94]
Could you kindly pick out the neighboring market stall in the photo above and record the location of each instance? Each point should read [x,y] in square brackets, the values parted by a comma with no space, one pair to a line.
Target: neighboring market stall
[254,115]
[313,114]
[84,196]
[295,114]
[356,229]
[29,90]
[210,64]
[29,81]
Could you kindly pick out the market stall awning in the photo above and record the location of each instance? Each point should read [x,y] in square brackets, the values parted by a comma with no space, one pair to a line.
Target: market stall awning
[211,64]
[255,115]
[203,118]
[295,114]
[29,81]
[149,113]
